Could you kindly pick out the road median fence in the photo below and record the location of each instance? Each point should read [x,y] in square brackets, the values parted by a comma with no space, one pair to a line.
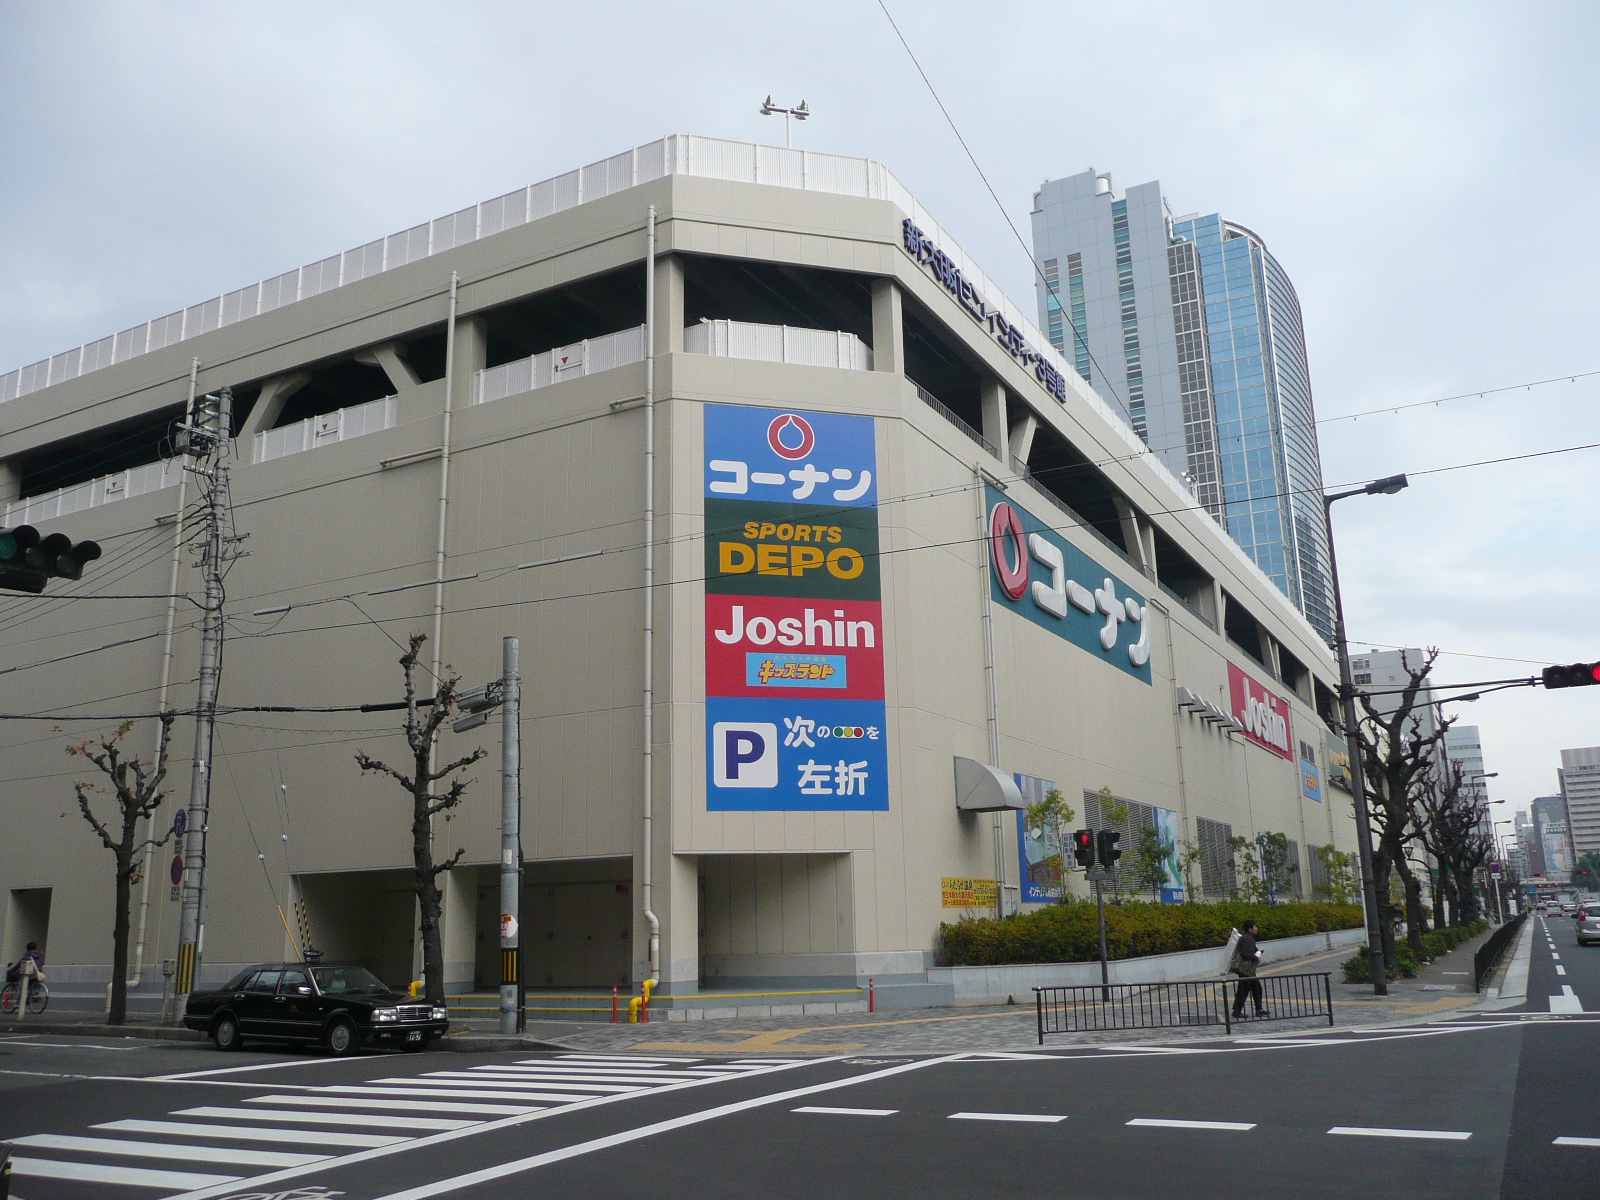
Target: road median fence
[1187,1004]
[1488,955]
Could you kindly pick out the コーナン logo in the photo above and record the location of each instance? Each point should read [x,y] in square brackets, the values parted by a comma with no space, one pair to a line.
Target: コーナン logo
[785,431]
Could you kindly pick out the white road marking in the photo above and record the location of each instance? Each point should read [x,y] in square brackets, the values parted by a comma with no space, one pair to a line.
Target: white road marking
[1566,1002]
[325,1101]
[516,1167]
[1033,1117]
[848,1112]
[68,1045]
[1576,1141]
[515,1118]
[609,1058]
[515,1095]
[248,1133]
[433,1124]
[271,1066]
[426,1085]
[562,1071]
[1555,956]
[1437,1134]
[44,1168]
[1561,970]
[207,1154]
[1236,1126]
[1165,1050]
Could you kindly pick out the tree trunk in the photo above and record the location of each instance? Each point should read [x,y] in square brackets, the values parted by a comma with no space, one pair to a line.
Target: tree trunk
[427,888]
[1416,924]
[119,947]
[1380,879]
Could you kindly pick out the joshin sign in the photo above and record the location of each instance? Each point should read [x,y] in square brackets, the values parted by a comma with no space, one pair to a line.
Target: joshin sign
[794,618]
[1264,715]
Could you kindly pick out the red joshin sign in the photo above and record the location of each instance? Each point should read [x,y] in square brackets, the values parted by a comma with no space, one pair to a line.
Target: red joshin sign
[1264,715]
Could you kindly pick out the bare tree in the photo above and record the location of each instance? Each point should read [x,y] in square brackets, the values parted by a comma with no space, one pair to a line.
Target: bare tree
[1396,757]
[135,788]
[421,732]
[1451,827]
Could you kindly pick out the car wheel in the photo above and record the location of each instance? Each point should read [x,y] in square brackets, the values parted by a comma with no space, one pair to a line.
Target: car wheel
[225,1033]
[342,1038]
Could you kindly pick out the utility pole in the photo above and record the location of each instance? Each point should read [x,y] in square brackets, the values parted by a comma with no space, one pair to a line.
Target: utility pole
[513,1014]
[207,438]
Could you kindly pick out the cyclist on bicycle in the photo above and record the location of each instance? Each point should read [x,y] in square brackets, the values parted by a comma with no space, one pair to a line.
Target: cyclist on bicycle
[31,962]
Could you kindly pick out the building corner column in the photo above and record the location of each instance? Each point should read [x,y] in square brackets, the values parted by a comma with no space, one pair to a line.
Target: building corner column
[995,425]
[669,304]
[888,330]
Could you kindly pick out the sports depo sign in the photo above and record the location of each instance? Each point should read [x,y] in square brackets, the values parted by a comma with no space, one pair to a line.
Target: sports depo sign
[794,615]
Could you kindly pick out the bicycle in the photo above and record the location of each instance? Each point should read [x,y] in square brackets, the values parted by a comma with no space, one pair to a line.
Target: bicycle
[38,997]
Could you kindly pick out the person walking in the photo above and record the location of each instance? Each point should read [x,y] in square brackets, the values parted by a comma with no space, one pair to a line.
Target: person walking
[1246,958]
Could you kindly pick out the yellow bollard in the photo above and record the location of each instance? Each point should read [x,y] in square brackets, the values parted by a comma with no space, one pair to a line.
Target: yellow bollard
[644,1005]
[633,1011]
[416,988]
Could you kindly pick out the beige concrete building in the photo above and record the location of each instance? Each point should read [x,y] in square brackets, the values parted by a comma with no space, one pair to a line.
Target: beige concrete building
[1029,588]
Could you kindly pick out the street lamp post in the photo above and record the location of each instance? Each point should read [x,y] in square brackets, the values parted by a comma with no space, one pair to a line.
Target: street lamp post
[1347,694]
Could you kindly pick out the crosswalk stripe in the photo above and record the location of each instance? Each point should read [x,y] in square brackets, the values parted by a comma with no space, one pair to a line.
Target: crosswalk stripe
[560,1082]
[426,1087]
[124,1146]
[463,1093]
[1576,1141]
[45,1168]
[504,1110]
[247,1133]
[1159,1123]
[1438,1134]
[609,1058]
[431,1124]
[599,1072]
[1026,1117]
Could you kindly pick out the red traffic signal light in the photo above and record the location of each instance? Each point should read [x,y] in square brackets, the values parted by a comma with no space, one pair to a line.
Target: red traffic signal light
[1572,675]
[1083,847]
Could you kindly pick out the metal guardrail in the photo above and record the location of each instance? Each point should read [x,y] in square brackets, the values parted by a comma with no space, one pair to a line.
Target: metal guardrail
[1186,1004]
[1488,955]
[949,414]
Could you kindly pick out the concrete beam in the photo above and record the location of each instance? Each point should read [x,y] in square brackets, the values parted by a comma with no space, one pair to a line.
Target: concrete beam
[669,304]
[1020,442]
[472,347]
[995,425]
[275,394]
[399,371]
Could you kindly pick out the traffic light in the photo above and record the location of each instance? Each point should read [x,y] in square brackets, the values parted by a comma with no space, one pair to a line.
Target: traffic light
[27,561]
[1109,851]
[1083,848]
[1572,675]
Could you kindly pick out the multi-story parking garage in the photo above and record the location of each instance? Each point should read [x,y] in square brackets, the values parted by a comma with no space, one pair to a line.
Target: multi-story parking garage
[909,572]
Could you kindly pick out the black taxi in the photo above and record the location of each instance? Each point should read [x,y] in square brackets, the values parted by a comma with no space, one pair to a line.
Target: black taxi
[340,1007]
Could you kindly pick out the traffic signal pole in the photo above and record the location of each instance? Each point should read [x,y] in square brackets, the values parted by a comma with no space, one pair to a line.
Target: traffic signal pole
[513,1015]
[213,428]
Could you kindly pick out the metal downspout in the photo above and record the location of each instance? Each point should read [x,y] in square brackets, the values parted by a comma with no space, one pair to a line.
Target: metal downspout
[166,677]
[991,693]
[647,873]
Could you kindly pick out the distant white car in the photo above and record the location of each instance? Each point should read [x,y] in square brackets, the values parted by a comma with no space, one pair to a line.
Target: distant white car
[1569,909]
[1589,924]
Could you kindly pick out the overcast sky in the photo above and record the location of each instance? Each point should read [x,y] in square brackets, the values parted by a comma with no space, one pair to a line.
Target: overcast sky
[1427,174]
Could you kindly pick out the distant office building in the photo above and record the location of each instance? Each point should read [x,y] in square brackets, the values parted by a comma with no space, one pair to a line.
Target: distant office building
[1580,788]
[1521,855]
[1464,750]
[1553,837]
[1191,328]
[1383,674]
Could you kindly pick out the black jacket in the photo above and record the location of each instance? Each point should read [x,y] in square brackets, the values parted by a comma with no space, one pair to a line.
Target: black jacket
[1245,955]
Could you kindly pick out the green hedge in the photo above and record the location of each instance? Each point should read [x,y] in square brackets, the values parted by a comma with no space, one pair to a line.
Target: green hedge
[1070,932]
[1434,945]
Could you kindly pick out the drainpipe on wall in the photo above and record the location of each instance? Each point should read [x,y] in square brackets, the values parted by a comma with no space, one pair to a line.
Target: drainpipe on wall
[647,872]
[166,676]
[991,694]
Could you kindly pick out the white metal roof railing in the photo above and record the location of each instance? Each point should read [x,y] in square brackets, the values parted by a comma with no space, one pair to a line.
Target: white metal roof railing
[120,485]
[564,362]
[338,426]
[779,343]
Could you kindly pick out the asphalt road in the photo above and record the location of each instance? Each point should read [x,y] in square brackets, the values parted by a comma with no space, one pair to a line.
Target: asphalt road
[1457,1108]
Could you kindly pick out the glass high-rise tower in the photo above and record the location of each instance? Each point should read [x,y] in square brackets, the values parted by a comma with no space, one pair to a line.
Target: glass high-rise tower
[1192,330]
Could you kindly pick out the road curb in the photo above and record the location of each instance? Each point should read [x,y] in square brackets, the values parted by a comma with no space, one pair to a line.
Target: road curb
[469,1043]
[155,1032]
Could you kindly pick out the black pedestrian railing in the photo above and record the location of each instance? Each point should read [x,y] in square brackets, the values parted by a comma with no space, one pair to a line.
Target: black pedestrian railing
[1488,955]
[1187,1004]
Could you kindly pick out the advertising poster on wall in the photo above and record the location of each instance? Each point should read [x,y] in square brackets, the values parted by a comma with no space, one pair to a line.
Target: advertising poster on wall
[1171,832]
[794,613]
[1310,775]
[1338,762]
[1041,858]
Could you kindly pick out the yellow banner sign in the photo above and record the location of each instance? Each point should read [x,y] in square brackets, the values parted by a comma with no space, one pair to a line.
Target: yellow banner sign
[969,893]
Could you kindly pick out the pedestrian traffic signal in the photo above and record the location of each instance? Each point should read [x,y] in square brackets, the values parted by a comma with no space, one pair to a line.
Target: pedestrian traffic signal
[1109,851]
[1572,675]
[27,561]
[1083,848]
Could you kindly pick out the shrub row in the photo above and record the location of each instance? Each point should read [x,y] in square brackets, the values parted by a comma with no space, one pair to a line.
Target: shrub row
[1435,944]
[1070,932]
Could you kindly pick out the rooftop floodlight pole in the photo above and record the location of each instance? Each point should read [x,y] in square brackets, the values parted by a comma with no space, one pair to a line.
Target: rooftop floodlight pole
[790,115]
[1347,693]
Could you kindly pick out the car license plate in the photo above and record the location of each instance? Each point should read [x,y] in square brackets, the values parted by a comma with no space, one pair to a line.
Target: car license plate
[414,1036]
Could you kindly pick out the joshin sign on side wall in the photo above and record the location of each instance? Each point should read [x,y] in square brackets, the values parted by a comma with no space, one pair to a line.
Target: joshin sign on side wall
[1264,714]
[794,616]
